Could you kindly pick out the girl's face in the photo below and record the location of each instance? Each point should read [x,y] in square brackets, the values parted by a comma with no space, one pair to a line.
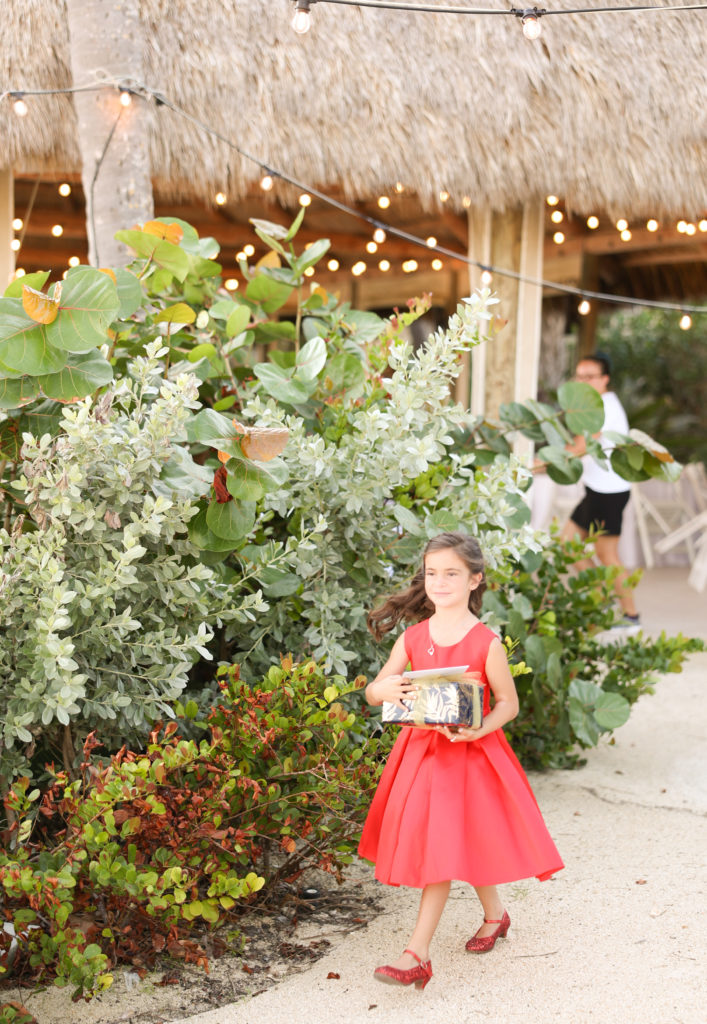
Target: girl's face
[448,581]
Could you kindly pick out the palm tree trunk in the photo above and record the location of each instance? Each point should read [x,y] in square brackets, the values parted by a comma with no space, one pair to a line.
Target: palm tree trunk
[106,40]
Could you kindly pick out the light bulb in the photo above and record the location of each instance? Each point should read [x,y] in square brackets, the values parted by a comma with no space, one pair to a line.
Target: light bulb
[125,99]
[74,261]
[626,235]
[409,266]
[552,200]
[302,19]
[682,226]
[230,284]
[358,268]
[584,307]
[305,200]
[309,272]
[64,189]
[443,196]
[266,182]
[486,278]
[384,265]
[531,26]
[249,249]
[621,224]
[557,216]
[702,225]
[431,241]
[20,272]
[652,224]
[57,231]
[437,264]
[20,107]
[333,265]
[399,187]
[240,256]
[686,322]
[371,247]
[220,198]
[690,229]
[379,236]
[15,244]
[466,202]
[18,224]
[383,202]
[558,238]
[592,222]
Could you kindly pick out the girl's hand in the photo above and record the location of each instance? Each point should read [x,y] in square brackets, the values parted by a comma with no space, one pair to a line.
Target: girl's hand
[466,734]
[394,689]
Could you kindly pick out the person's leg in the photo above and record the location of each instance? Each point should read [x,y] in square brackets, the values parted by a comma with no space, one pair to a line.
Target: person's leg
[432,904]
[493,908]
[607,549]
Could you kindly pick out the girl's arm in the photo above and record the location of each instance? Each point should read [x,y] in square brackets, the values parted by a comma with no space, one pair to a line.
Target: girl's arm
[503,688]
[389,684]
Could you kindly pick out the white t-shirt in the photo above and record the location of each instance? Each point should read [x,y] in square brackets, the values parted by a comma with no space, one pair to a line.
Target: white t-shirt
[606,481]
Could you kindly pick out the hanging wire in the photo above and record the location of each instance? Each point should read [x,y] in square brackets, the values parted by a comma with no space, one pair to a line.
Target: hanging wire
[138,88]
[384,5]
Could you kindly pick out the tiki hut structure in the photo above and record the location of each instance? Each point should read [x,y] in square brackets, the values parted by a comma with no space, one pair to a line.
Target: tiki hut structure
[463,123]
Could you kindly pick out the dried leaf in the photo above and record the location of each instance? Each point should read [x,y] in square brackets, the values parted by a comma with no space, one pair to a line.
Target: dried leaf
[264,443]
[110,273]
[270,259]
[223,456]
[112,519]
[333,974]
[221,490]
[169,232]
[40,307]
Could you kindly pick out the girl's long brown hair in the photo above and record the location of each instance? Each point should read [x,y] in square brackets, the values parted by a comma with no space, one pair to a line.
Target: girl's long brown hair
[412,604]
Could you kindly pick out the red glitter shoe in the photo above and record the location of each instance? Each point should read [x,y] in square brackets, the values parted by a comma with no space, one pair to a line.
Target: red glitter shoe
[485,943]
[417,976]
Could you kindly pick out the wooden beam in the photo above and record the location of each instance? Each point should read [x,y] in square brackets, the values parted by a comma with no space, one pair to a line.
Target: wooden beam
[7,208]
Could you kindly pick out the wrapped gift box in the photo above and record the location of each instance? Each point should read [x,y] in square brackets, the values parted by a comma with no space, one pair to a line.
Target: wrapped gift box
[444,697]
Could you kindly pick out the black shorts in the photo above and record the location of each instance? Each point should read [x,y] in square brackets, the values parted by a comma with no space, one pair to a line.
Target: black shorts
[602,511]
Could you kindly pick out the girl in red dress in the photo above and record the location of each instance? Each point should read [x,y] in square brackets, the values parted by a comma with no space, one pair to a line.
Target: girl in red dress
[450,804]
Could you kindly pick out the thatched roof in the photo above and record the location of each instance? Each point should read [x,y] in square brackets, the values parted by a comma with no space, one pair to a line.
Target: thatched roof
[606,110]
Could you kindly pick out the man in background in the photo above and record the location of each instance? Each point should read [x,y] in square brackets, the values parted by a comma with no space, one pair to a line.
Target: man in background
[606,493]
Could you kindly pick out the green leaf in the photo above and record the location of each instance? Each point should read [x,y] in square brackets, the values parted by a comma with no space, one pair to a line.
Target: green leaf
[210,427]
[167,255]
[268,293]
[232,520]
[130,293]
[269,227]
[40,419]
[202,537]
[249,481]
[441,522]
[611,710]
[408,520]
[280,384]
[184,477]
[295,226]
[16,391]
[89,303]
[204,351]
[534,653]
[345,373]
[37,280]
[180,313]
[81,376]
[364,326]
[310,360]
[561,466]
[311,255]
[238,320]
[583,407]
[24,346]
[278,582]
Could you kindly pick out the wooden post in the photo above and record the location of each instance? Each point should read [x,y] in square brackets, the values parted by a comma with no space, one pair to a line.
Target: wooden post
[588,323]
[505,368]
[7,212]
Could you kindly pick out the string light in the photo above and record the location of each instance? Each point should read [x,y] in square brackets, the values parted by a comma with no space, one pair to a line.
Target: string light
[358,268]
[702,225]
[20,272]
[231,284]
[15,245]
[305,199]
[266,182]
[399,187]
[409,266]
[652,224]
[384,265]
[64,190]
[486,278]
[530,22]
[309,272]
[685,322]
[19,106]
[437,264]
[333,265]
[371,247]
[74,261]
[558,238]
[383,202]
[443,196]
[17,224]
[592,222]
[552,200]
[466,202]
[557,216]
[249,249]
[682,226]
[241,256]
[220,198]
[302,19]
[57,231]
[621,224]
[625,235]
[584,307]
[690,229]
[379,236]
[431,241]
[125,98]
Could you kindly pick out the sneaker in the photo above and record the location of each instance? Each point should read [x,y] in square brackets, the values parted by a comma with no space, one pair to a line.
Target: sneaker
[627,625]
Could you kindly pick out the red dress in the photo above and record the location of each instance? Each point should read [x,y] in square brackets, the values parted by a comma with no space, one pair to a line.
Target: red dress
[460,810]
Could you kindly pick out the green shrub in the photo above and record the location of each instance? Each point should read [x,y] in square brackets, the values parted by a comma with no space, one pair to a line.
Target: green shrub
[145,853]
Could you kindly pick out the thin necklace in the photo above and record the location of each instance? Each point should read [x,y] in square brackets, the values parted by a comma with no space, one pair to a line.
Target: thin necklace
[431,648]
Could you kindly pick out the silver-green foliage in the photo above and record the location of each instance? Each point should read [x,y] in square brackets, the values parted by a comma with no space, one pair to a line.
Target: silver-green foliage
[103,606]
[370,541]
